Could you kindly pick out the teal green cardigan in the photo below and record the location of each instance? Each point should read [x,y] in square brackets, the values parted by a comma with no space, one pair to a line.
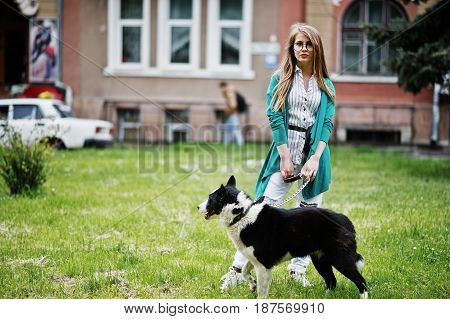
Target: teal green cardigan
[320,131]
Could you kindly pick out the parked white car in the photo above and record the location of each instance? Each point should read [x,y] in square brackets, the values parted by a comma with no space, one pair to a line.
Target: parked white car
[40,119]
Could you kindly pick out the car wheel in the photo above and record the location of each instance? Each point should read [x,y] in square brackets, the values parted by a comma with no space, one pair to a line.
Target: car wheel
[54,142]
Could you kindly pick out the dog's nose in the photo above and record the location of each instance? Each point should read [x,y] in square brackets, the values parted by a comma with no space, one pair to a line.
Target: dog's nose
[198,207]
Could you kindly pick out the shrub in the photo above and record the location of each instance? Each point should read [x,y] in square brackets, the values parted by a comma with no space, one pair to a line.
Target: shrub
[23,167]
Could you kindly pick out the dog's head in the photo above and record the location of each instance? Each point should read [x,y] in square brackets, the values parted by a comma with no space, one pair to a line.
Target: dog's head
[225,198]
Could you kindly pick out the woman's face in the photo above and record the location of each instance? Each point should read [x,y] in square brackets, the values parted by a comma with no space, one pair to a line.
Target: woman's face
[303,49]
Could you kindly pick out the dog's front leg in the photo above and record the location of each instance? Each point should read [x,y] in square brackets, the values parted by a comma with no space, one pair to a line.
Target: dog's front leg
[263,277]
[246,274]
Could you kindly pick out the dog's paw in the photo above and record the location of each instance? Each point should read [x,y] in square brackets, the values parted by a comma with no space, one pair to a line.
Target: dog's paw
[364,295]
[252,284]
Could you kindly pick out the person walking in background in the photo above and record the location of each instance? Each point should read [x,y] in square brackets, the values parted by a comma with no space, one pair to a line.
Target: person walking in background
[300,108]
[235,104]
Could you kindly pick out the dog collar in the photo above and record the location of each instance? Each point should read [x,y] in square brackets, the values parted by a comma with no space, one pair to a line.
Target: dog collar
[245,211]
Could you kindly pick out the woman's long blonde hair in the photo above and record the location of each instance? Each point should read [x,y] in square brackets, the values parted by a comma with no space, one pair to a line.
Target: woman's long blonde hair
[287,66]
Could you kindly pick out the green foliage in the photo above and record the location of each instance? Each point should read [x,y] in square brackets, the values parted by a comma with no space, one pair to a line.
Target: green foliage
[23,167]
[422,47]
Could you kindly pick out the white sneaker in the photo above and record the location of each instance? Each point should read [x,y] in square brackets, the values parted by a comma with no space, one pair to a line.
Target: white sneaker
[300,277]
[231,279]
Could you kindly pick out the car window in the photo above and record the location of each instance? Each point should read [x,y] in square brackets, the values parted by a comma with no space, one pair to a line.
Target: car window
[25,111]
[64,111]
[39,113]
[4,112]
[49,111]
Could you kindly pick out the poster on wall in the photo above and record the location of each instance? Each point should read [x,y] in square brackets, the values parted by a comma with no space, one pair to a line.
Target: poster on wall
[43,50]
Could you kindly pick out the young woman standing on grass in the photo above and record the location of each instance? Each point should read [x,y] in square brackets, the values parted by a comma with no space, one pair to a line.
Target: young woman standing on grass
[300,96]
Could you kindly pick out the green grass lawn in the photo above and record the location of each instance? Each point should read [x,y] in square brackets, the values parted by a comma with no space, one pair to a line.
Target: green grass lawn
[118,223]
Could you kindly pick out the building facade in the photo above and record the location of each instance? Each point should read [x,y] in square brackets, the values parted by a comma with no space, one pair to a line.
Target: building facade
[153,66]
[18,52]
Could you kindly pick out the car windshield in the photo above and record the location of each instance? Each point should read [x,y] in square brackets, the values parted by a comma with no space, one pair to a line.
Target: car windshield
[64,111]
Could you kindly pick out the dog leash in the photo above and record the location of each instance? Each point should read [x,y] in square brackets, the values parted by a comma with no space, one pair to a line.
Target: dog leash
[281,203]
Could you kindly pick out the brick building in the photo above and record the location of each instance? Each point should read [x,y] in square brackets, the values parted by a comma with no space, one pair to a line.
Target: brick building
[153,66]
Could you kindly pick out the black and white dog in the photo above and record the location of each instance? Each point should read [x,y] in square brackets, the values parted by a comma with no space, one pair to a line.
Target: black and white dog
[267,236]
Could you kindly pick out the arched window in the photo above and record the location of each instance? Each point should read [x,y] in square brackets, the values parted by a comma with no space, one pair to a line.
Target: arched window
[358,55]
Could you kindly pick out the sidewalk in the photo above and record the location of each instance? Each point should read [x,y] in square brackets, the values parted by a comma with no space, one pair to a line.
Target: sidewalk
[426,151]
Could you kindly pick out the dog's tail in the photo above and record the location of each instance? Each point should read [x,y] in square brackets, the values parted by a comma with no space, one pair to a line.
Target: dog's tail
[359,262]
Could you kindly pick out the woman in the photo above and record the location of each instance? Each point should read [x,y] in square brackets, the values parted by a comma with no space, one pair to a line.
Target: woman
[300,96]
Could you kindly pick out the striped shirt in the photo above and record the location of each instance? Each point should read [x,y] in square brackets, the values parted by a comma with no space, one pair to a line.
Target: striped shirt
[303,106]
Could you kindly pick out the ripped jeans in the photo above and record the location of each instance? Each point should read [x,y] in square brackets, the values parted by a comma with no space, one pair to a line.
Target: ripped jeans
[275,191]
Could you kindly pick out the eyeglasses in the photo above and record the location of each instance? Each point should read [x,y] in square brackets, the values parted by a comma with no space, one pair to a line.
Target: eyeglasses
[298,46]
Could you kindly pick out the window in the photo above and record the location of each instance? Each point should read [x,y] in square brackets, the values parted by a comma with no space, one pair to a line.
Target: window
[129,124]
[4,112]
[64,111]
[177,127]
[179,34]
[380,137]
[359,55]
[229,32]
[128,39]
[221,116]
[178,47]
[26,112]
[230,25]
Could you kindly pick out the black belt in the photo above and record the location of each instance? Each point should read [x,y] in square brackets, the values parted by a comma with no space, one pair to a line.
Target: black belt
[296,128]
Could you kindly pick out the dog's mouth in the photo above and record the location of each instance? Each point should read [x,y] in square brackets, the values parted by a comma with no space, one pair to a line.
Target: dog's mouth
[208,215]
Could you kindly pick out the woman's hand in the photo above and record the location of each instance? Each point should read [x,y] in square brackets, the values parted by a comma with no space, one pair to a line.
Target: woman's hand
[286,167]
[309,170]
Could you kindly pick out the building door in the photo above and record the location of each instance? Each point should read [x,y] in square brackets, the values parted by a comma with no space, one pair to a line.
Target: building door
[14,30]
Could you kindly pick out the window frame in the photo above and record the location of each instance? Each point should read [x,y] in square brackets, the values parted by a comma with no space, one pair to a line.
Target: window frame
[213,42]
[364,42]
[115,40]
[209,49]
[165,25]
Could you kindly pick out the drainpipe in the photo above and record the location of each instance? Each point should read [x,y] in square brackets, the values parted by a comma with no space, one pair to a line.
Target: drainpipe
[435,116]
[60,4]
[68,100]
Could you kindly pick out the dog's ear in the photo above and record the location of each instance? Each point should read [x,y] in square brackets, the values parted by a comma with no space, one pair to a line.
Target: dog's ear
[231,181]
[221,190]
